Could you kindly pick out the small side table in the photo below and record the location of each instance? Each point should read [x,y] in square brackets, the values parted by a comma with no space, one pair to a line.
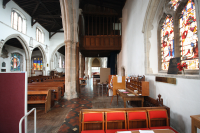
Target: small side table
[195,119]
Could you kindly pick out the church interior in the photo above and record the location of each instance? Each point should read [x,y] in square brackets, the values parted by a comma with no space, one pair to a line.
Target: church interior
[100,66]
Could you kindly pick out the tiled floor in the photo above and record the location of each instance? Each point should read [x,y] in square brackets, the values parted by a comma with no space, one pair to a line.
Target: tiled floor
[88,92]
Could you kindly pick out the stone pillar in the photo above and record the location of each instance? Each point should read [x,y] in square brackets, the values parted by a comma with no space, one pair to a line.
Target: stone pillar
[82,65]
[73,71]
[68,20]
[77,69]
[86,67]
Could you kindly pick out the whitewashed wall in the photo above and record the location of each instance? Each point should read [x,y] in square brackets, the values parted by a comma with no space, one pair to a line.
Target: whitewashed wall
[131,56]
[182,98]
[56,42]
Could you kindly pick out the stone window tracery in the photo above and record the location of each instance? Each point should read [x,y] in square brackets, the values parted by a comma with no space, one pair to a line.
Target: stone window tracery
[18,21]
[184,42]
[39,35]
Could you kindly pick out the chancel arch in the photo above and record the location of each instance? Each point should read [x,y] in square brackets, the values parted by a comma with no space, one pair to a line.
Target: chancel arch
[15,43]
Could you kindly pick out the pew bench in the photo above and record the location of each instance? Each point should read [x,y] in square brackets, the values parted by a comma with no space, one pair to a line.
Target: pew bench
[40,97]
[56,90]
[50,84]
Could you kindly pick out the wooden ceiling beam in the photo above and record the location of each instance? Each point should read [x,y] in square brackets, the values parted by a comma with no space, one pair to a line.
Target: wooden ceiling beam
[46,20]
[47,16]
[35,9]
[49,12]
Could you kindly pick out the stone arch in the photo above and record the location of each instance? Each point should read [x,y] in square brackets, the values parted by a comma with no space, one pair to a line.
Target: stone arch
[26,49]
[44,57]
[53,54]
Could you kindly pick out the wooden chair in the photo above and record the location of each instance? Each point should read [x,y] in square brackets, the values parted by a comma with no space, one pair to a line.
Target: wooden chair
[158,119]
[93,118]
[138,120]
[115,120]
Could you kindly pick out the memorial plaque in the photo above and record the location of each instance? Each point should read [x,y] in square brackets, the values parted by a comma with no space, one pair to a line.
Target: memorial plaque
[173,65]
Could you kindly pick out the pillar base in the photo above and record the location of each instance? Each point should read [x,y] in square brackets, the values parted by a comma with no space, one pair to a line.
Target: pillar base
[70,96]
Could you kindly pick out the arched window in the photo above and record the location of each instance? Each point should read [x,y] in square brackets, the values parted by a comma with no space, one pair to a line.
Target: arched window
[188,36]
[167,42]
[39,35]
[18,21]
[178,35]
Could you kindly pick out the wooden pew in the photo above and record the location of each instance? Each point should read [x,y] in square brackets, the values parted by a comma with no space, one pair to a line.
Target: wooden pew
[49,84]
[56,90]
[38,78]
[40,97]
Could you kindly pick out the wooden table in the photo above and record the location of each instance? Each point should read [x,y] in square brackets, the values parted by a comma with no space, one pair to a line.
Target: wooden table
[125,97]
[155,131]
[195,120]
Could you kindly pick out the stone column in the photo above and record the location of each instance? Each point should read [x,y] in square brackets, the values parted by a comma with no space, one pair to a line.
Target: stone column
[73,71]
[68,20]
[77,69]
[86,67]
[82,65]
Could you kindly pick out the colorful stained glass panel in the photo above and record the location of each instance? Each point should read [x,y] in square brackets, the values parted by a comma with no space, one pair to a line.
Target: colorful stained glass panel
[188,36]
[15,62]
[174,4]
[167,42]
[41,64]
[34,64]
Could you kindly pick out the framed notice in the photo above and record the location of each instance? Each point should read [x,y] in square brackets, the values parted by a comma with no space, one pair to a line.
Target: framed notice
[173,65]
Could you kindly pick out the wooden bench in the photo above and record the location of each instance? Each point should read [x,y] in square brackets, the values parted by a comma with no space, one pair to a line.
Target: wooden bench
[38,78]
[50,84]
[40,97]
[56,90]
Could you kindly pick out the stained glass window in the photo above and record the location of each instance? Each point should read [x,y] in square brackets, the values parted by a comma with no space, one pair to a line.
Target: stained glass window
[37,64]
[167,42]
[188,36]
[174,4]
[15,62]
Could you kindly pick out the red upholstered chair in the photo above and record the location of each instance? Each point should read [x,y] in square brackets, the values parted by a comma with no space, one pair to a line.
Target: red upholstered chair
[95,118]
[162,120]
[115,120]
[138,120]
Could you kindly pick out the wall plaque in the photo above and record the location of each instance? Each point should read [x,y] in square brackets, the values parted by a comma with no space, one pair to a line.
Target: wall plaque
[166,80]
[173,65]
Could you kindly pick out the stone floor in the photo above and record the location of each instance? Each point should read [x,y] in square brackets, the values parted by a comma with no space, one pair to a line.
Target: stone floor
[91,96]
